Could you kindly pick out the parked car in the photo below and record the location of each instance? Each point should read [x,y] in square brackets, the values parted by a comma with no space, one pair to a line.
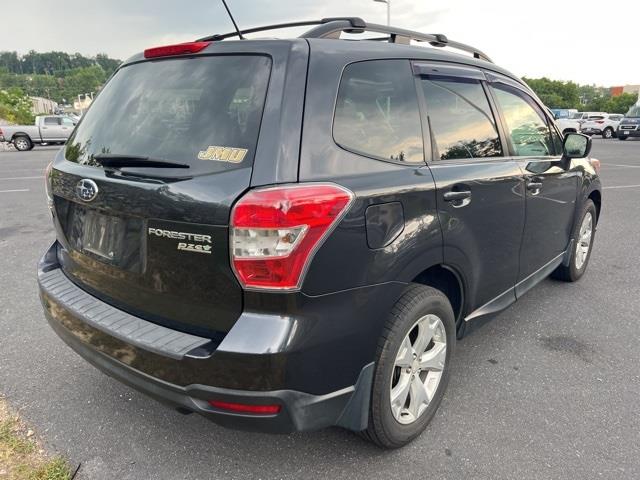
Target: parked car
[630,125]
[567,125]
[584,116]
[605,126]
[299,229]
[46,129]
[560,113]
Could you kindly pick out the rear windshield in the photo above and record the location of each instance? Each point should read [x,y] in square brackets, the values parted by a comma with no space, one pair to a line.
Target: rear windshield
[204,112]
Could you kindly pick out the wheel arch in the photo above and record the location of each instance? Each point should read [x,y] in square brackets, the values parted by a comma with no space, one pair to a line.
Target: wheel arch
[446,279]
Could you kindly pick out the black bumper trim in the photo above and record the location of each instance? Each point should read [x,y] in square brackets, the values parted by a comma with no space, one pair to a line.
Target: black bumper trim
[68,307]
[102,316]
[301,411]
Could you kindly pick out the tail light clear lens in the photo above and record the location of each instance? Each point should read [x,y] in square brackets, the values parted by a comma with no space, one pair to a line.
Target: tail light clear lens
[47,186]
[276,231]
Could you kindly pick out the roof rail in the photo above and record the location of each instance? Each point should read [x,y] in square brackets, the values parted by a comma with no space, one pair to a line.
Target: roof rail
[351,24]
[395,35]
[332,28]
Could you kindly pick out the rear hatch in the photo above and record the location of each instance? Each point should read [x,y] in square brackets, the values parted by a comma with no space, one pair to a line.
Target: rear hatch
[143,194]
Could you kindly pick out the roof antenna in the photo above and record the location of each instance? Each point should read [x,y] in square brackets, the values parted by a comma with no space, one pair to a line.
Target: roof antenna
[232,20]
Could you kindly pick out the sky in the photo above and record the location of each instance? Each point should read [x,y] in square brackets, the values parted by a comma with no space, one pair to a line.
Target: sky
[583,40]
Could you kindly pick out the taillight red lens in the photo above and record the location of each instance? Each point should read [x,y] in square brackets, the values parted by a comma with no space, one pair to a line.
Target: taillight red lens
[600,121]
[246,408]
[276,231]
[178,49]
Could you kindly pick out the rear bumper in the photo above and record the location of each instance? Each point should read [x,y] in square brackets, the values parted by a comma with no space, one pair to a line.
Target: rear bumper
[188,371]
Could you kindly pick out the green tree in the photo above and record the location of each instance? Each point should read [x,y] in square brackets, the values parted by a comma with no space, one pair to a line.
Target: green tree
[554,93]
[15,106]
[622,103]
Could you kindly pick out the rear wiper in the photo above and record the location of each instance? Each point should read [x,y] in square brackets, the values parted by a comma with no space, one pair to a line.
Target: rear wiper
[120,161]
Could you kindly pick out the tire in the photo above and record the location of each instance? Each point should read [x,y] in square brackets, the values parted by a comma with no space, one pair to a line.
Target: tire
[420,307]
[622,138]
[608,133]
[22,143]
[579,259]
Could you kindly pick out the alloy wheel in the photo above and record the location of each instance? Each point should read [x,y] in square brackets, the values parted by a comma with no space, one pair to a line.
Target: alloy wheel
[21,144]
[418,368]
[584,240]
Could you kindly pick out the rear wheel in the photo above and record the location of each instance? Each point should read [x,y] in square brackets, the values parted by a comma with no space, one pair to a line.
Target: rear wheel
[608,133]
[22,143]
[583,236]
[413,367]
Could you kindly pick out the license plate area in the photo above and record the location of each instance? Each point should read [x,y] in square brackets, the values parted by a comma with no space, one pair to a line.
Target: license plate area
[102,235]
[110,239]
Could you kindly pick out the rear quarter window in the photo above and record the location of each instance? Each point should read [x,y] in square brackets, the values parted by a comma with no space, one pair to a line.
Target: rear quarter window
[377,113]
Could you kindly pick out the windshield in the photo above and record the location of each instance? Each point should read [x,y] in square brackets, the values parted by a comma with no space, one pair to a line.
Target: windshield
[633,111]
[204,112]
[576,116]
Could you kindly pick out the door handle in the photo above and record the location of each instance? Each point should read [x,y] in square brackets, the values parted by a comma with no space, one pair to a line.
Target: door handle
[458,198]
[453,196]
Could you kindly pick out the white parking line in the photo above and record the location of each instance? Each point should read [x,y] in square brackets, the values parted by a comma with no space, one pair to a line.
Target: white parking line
[19,178]
[618,165]
[19,190]
[622,186]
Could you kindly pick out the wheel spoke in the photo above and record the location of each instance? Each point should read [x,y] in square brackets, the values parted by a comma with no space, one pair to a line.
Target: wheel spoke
[405,354]
[399,393]
[433,359]
[418,396]
[426,329]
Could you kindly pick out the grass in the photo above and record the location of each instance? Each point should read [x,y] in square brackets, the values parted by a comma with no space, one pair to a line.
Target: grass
[21,457]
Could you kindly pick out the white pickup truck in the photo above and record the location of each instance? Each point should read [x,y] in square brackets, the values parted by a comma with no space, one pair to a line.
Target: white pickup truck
[567,125]
[46,129]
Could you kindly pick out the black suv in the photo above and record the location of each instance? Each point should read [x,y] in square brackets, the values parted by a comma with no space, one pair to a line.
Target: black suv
[290,234]
[630,125]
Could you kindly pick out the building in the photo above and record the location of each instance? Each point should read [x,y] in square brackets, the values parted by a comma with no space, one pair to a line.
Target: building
[40,105]
[615,91]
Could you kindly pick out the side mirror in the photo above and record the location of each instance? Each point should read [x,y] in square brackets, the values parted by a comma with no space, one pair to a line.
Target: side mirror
[576,145]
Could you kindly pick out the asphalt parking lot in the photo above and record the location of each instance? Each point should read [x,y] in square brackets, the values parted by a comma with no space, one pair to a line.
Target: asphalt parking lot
[548,389]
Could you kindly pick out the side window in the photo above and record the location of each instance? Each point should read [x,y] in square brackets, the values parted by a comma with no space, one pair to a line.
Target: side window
[67,122]
[558,142]
[51,121]
[526,125]
[377,111]
[460,119]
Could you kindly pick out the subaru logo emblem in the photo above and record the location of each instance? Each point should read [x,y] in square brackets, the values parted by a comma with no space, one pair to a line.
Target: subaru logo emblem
[86,190]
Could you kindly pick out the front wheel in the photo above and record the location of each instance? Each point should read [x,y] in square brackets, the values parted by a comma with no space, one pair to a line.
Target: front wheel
[583,236]
[22,144]
[413,366]
[622,137]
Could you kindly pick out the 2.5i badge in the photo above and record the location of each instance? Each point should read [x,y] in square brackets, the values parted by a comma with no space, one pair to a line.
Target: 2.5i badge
[223,154]
[193,242]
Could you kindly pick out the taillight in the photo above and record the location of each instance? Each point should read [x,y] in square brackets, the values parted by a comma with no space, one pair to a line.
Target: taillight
[276,231]
[47,186]
[600,121]
[178,49]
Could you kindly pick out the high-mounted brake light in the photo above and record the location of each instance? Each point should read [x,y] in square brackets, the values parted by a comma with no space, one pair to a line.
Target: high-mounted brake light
[246,408]
[276,231]
[178,49]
